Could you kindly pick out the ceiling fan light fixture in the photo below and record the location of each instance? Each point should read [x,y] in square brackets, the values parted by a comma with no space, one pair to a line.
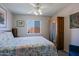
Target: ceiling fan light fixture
[37,8]
[35,13]
[40,12]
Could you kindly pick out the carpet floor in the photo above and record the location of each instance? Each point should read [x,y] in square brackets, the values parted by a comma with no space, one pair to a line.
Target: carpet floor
[62,53]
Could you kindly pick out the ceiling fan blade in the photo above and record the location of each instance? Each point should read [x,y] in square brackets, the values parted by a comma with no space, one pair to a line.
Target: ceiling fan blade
[29,12]
[32,4]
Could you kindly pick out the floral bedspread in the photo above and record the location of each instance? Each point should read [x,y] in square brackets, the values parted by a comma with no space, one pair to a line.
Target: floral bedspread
[31,51]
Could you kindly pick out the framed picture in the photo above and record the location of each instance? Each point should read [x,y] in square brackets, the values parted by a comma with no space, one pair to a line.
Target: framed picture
[3,17]
[20,23]
[74,20]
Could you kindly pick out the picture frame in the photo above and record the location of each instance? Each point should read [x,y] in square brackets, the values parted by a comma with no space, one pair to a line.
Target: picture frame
[74,20]
[20,23]
[3,17]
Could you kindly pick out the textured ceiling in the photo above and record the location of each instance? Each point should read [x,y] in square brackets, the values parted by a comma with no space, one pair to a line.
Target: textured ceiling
[48,9]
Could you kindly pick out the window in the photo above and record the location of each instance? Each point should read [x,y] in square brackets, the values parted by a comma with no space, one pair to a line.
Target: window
[33,26]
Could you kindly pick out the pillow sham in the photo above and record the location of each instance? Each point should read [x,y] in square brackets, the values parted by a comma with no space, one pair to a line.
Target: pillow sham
[5,36]
[9,35]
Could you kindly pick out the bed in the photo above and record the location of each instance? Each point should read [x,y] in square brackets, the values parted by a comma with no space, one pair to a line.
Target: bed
[26,46]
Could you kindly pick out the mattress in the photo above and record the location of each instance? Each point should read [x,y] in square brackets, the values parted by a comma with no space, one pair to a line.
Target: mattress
[28,46]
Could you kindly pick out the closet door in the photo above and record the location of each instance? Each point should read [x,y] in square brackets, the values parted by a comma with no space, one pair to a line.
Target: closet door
[60,33]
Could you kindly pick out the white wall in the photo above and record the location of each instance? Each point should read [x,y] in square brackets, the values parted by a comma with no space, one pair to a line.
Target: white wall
[71,36]
[22,31]
[9,19]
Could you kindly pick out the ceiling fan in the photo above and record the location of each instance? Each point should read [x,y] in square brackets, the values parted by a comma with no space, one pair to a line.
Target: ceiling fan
[37,8]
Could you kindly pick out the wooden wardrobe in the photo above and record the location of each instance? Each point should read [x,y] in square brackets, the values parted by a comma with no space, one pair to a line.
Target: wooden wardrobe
[60,33]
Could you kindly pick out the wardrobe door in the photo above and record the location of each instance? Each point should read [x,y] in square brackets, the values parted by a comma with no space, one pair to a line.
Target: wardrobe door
[60,33]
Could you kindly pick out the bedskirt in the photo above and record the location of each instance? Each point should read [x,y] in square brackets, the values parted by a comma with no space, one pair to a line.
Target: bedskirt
[30,51]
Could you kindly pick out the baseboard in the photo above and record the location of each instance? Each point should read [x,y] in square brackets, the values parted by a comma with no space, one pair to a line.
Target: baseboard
[66,50]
